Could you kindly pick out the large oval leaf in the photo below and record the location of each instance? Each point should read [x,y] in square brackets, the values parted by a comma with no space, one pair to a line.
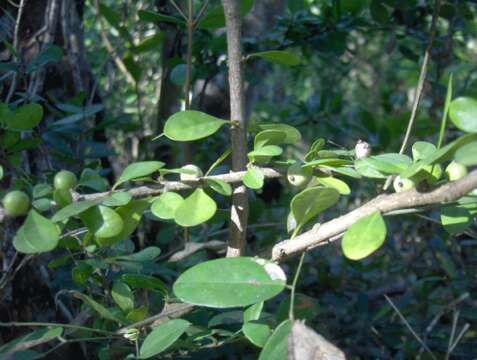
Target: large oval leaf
[103,221]
[276,348]
[166,204]
[312,201]
[37,234]
[257,332]
[364,237]
[191,125]
[138,170]
[26,117]
[162,337]
[196,209]
[463,113]
[230,282]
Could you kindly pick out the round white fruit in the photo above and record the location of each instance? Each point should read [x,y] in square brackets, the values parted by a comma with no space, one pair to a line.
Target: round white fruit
[401,185]
[192,172]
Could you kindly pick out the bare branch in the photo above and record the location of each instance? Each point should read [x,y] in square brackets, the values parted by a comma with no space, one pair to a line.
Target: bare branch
[383,203]
[239,210]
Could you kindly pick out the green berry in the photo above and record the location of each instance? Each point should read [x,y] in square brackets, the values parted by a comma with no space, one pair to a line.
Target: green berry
[16,203]
[298,176]
[65,180]
[401,185]
[455,171]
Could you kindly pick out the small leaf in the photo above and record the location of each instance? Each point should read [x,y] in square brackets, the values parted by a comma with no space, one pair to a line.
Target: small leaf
[253,312]
[99,308]
[269,137]
[292,135]
[455,219]
[191,125]
[463,113]
[147,254]
[196,209]
[331,182]
[230,282]
[467,154]
[220,186]
[276,347]
[388,163]
[117,199]
[73,209]
[166,204]
[267,150]
[280,57]
[140,281]
[257,332]
[422,149]
[311,202]
[364,237]
[123,296]
[26,117]
[102,221]
[37,234]
[162,337]
[253,178]
[138,170]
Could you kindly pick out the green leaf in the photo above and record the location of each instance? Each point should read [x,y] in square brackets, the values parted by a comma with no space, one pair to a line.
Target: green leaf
[230,282]
[257,332]
[292,135]
[138,170]
[147,254]
[73,209]
[276,347]
[196,209]
[422,149]
[463,113]
[37,234]
[166,205]
[123,296]
[253,312]
[331,182]
[467,154]
[269,137]
[443,154]
[117,199]
[111,16]
[311,202]
[140,281]
[191,125]
[327,162]
[280,57]
[364,237]
[1,172]
[26,117]
[41,336]
[162,337]
[100,309]
[388,163]
[267,150]
[455,219]
[220,186]
[102,221]
[253,178]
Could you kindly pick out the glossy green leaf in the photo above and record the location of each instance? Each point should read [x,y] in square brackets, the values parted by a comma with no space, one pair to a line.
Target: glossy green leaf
[102,221]
[455,219]
[117,199]
[257,332]
[253,178]
[281,57]
[388,163]
[140,281]
[196,209]
[267,150]
[191,125]
[364,237]
[276,347]
[73,209]
[220,186]
[137,314]
[37,234]
[269,137]
[230,282]
[467,154]
[166,205]
[147,254]
[123,296]
[443,154]
[422,149]
[26,117]
[311,202]
[463,113]
[99,308]
[138,170]
[327,162]
[162,337]
[253,312]
[332,182]
[292,135]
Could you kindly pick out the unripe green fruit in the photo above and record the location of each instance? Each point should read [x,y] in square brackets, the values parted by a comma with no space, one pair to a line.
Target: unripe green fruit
[433,173]
[401,185]
[298,176]
[193,172]
[16,203]
[65,180]
[455,171]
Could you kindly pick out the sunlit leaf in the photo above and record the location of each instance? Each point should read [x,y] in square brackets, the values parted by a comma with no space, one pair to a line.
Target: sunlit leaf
[191,125]
[463,113]
[276,347]
[162,337]
[37,234]
[196,209]
[166,205]
[253,178]
[138,170]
